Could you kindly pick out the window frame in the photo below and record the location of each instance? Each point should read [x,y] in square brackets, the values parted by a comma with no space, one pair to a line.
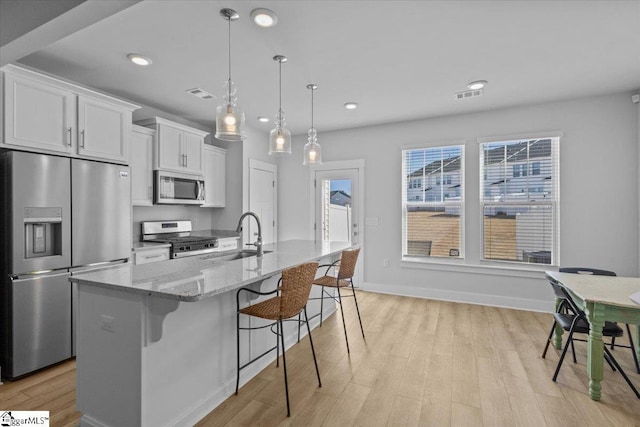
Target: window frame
[404,202]
[556,138]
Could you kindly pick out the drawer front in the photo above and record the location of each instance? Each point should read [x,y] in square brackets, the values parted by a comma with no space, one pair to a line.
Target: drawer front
[152,255]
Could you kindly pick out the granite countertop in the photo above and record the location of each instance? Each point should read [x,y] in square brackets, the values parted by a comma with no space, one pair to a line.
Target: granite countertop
[198,277]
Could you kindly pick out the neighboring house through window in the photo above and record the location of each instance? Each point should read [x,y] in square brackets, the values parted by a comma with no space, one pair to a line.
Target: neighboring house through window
[520,210]
[433,219]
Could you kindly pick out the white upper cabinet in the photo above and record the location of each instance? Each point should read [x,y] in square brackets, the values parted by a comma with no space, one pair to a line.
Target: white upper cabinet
[44,114]
[103,130]
[214,176]
[178,147]
[141,166]
[39,115]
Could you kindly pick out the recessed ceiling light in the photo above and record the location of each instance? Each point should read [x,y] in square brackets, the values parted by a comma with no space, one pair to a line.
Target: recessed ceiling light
[264,18]
[478,84]
[263,119]
[139,59]
[351,105]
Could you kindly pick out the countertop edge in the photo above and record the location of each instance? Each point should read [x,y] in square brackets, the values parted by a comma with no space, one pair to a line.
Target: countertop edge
[82,280]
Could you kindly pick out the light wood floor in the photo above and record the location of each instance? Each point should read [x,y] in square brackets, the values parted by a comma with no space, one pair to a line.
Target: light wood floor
[424,363]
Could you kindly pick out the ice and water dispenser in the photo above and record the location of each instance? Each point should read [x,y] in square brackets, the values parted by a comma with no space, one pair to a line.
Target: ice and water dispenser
[42,232]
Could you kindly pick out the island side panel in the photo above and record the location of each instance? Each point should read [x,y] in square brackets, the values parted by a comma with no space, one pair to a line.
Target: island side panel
[108,363]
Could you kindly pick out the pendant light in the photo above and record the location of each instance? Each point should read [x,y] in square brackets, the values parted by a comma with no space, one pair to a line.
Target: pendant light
[280,137]
[312,150]
[229,117]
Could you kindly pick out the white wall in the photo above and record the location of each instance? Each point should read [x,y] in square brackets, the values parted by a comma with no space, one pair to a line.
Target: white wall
[599,197]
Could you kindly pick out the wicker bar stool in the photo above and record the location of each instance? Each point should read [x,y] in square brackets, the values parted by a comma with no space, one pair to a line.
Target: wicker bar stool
[346,267]
[291,299]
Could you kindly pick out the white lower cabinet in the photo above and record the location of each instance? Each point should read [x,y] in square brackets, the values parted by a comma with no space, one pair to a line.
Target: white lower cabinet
[141,166]
[149,255]
[214,166]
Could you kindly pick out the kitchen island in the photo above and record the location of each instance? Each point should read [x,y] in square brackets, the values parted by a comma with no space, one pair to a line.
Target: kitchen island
[156,343]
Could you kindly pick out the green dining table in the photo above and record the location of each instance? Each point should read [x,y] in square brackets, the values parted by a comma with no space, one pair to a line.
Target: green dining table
[602,298]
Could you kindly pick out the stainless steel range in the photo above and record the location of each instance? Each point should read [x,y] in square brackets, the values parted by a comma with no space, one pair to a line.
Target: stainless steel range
[186,242]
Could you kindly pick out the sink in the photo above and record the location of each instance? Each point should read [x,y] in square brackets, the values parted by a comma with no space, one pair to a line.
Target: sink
[246,253]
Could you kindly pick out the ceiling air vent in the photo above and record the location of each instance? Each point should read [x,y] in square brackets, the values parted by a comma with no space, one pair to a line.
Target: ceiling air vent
[469,94]
[200,93]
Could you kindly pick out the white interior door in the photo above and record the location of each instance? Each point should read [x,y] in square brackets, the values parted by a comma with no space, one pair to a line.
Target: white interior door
[262,200]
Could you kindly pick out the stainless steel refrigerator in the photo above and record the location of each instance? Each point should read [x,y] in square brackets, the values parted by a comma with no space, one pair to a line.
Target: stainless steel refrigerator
[58,215]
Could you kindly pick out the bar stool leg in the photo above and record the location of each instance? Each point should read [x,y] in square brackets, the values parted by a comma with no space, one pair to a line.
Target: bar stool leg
[237,350]
[344,325]
[284,364]
[313,351]
[633,348]
[357,309]
[321,304]
[277,344]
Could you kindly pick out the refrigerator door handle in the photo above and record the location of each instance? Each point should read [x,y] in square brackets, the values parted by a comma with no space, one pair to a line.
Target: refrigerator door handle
[18,278]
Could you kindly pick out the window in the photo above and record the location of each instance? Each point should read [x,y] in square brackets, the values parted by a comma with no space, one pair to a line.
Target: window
[520,210]
[432,215]
[535,168]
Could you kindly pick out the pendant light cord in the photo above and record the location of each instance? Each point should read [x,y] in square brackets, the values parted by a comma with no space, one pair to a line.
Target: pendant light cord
[311,108]
[280,100]
[229,82]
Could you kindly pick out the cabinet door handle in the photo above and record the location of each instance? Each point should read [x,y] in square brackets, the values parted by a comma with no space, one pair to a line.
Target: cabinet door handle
[70,130]
[82,141]
[186,160]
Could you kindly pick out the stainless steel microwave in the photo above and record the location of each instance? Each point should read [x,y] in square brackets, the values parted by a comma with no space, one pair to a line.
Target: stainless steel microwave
[178,189]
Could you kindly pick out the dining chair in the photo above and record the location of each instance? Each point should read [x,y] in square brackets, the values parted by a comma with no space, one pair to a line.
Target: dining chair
[575,321]
[291,299]
[599,272]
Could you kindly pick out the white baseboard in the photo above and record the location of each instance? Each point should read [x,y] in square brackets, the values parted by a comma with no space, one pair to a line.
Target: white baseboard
[463,297]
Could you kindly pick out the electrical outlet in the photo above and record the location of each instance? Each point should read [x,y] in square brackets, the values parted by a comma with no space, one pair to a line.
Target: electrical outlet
[107,323]
[385,262]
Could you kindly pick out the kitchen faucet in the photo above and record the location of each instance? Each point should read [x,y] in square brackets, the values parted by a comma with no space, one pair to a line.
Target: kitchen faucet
[258,243]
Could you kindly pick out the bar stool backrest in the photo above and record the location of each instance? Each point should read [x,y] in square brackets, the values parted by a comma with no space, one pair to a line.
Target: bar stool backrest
[295,289]
[348,261]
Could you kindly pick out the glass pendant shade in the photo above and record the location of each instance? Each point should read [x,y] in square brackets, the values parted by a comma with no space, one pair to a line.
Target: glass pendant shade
[312,150]
[229,117]
[280,138]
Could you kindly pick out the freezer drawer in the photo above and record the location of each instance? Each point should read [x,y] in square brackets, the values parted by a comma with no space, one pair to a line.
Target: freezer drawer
[41,319]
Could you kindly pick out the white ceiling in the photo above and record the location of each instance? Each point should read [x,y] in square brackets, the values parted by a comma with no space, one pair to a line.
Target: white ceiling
[400,60]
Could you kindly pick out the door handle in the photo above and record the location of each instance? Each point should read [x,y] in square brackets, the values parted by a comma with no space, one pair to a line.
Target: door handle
[82,141]
[70,130]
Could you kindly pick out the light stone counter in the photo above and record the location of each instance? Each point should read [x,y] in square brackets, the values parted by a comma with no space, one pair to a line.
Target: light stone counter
[198,277]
